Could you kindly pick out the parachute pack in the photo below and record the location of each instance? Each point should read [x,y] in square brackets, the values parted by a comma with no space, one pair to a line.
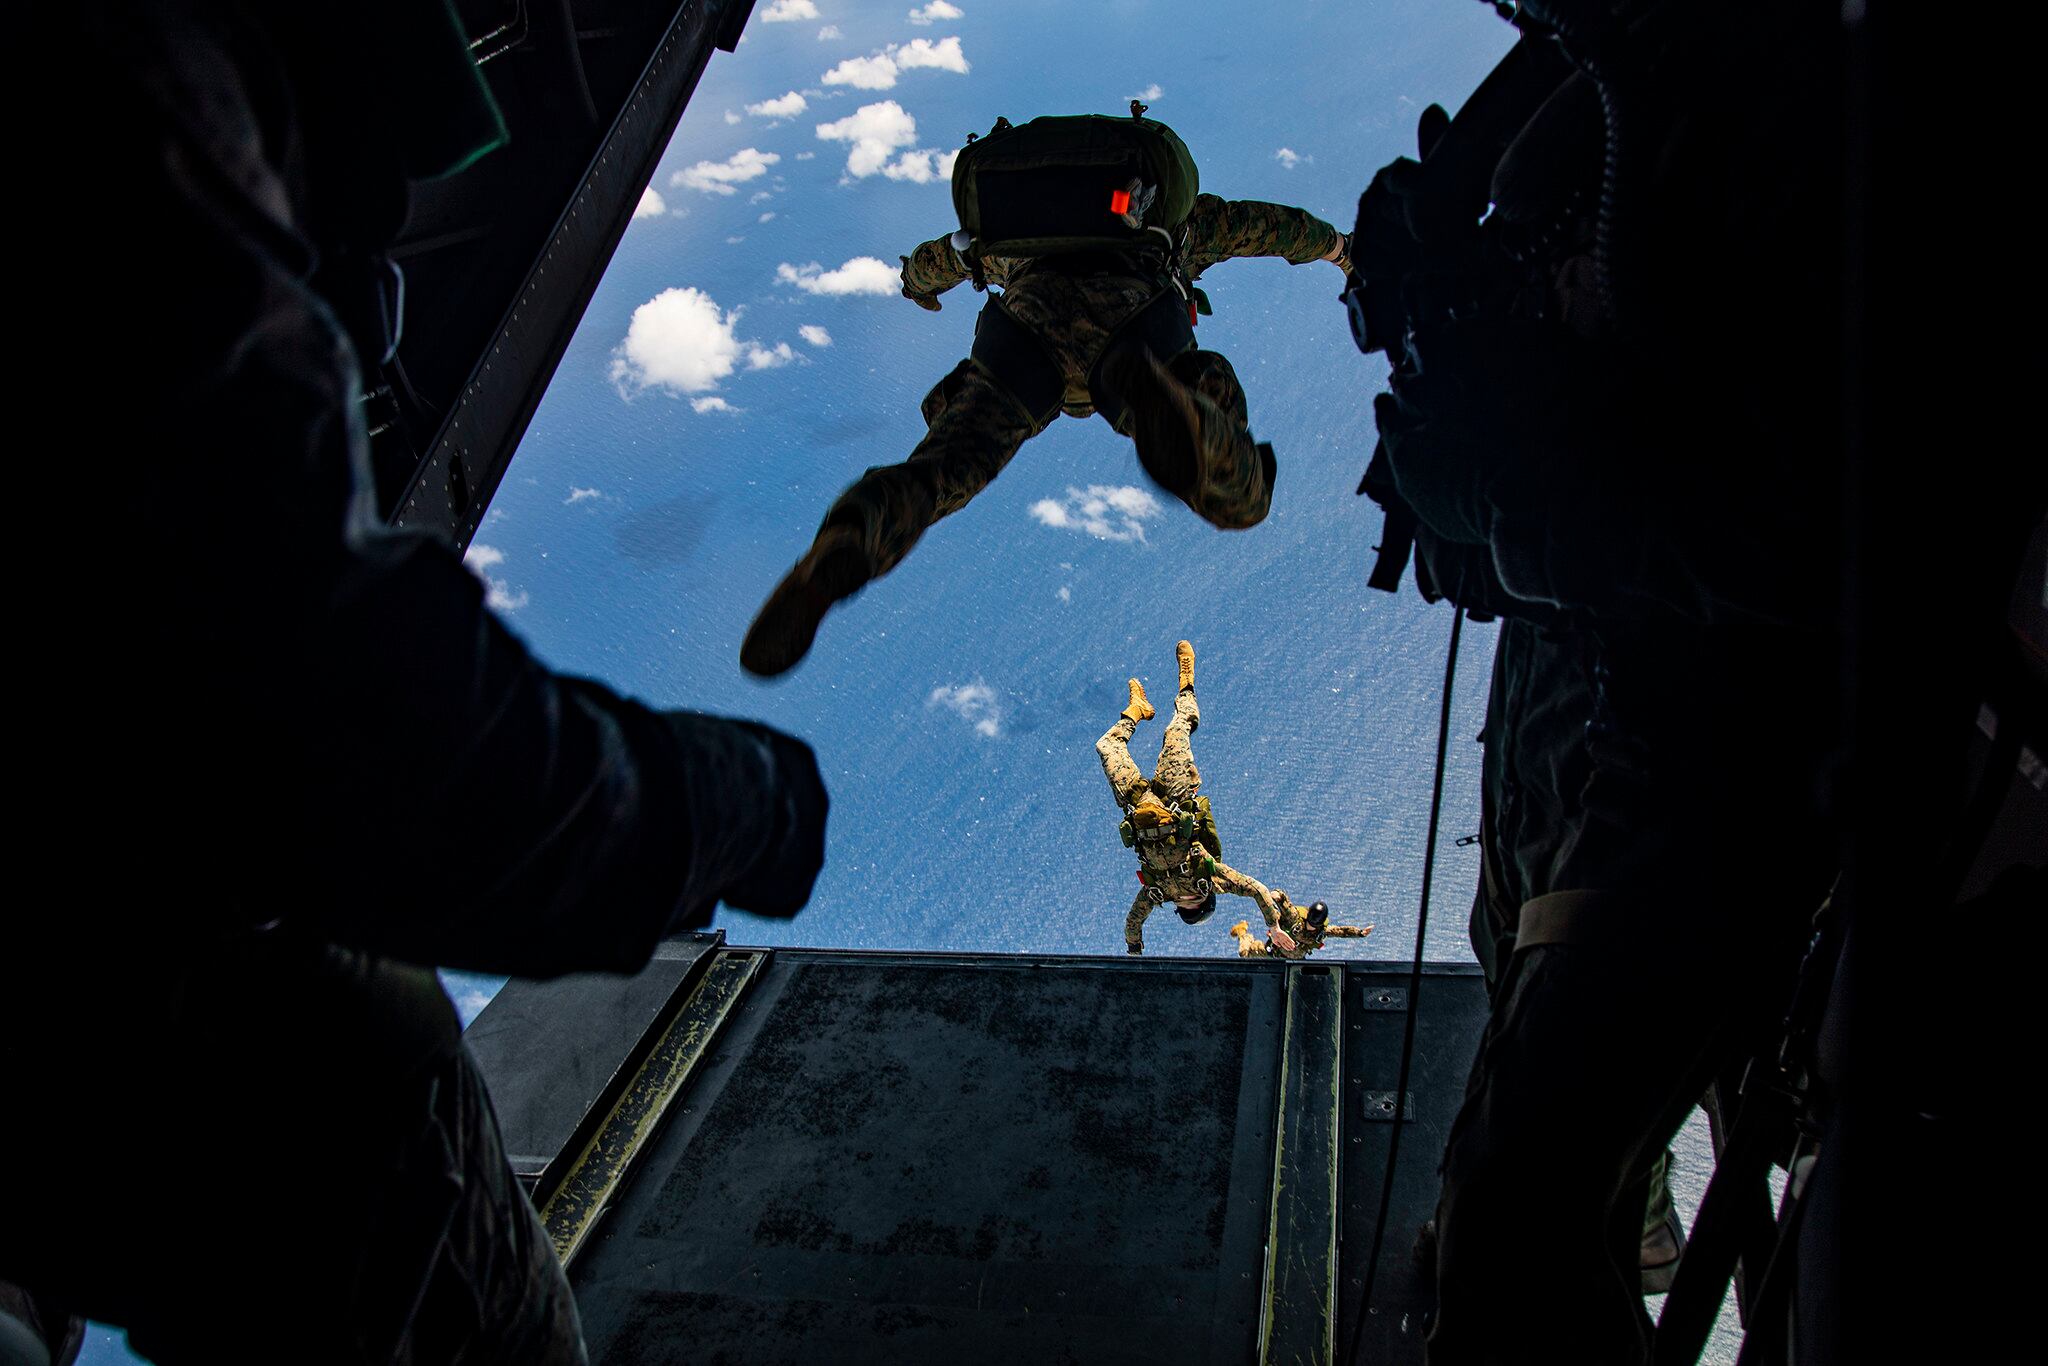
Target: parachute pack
[1067,183]
[1190,824]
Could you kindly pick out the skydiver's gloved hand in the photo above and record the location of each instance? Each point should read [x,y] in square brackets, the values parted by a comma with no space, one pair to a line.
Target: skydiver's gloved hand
[928,302]
[1138,947]
[761,806]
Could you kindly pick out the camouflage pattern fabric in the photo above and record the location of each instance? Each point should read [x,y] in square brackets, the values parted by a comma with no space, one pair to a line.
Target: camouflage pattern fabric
[1306,939]
[974,426]
[1175,778]
[1217,230]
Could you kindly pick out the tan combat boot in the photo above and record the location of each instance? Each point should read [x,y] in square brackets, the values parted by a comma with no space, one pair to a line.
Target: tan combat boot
[1185,653]
[1140,709]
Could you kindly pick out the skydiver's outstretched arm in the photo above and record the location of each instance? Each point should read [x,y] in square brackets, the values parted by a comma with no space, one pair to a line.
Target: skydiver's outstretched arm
[1220,229]
[1228,879]
[935,267]
[1346,931]
[930,271]
[1134,923]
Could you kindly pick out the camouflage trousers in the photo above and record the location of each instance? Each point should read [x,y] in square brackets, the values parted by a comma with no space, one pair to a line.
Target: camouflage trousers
[1176,778]
[975,424]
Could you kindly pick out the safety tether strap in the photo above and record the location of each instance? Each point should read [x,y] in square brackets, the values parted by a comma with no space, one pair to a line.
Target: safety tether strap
[1436,802]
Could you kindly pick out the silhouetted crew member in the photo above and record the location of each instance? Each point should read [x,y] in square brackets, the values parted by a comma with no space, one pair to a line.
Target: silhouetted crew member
[297,764]
[1311,928]
[1167,820]
[1656,834]
[1093,317]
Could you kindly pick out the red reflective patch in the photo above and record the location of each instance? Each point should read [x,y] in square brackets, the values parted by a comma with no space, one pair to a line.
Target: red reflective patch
[1119,201]
[1191,313]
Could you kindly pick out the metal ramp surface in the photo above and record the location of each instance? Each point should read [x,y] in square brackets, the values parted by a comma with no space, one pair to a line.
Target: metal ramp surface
[843,1157]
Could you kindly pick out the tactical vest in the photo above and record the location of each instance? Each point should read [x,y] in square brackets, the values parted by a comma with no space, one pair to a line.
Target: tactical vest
[1189,845]
[1066,183]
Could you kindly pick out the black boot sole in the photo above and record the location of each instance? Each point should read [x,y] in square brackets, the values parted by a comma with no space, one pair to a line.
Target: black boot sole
[787,624]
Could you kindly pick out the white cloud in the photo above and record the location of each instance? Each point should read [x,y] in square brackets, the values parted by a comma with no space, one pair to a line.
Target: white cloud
[805,156]
[760,196]
[1290,158]
[1150,92]
[935,11]
[679,341]
[766,358]
[1066,594]
[498,594]
[1106,512]
[872,132]
[714,404]
[922,167]
[944,55]
[830,31]
[719,177]
[789,11]
[577,495]
[878,70]
[734,241]
[864,73]
[782,107]
[764,218]
[861,275]
[651,204]
[731,117]
[814,334]
[975,703]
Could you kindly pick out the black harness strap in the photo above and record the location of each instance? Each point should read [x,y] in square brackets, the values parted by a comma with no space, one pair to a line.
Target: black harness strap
[1020,362]
[1161,327]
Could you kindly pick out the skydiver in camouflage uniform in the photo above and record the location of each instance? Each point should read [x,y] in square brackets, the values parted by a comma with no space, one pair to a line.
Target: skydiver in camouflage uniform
[1176,861]
[1314,927]
[1185,411]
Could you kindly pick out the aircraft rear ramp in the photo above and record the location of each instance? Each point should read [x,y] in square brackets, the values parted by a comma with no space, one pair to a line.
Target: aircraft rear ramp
[854,1157]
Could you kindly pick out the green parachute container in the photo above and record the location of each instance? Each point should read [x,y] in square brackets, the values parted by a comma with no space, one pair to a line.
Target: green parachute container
[1078,182]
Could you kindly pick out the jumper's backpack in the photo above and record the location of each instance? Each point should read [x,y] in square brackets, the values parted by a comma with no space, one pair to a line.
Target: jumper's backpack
[1191,824]
[1076,182]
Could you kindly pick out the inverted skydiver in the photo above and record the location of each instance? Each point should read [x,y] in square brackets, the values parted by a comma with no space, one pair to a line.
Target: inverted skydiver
[1169,824]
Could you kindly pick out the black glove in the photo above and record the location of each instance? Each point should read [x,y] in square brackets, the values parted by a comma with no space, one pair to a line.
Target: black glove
[780,881]
[1133,948]
[760,810]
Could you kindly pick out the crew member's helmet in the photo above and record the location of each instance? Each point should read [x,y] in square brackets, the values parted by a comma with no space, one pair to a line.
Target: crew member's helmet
[1199,913]
[1319,914]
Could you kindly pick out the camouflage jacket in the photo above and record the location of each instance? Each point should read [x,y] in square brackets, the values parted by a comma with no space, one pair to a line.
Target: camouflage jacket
[1171,882]
[1217,230]
[1306,940]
